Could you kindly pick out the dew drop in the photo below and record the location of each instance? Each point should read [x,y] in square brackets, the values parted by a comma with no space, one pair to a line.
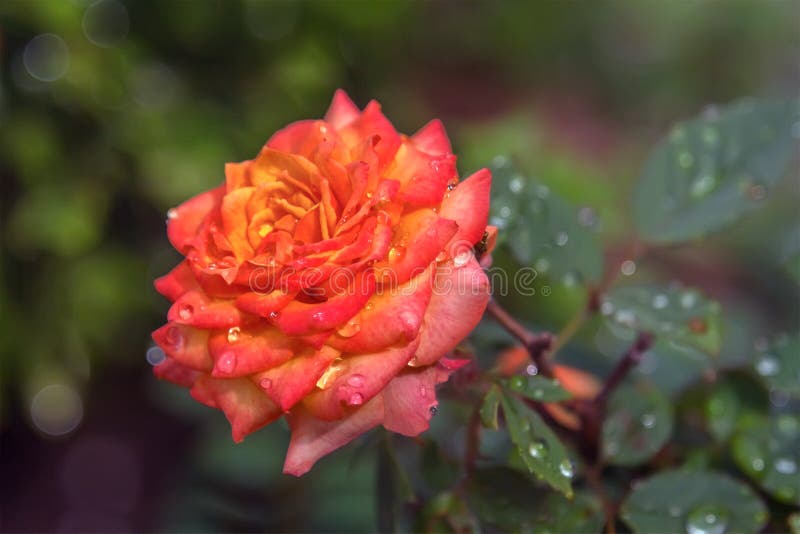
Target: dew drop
[433,410]
[227,362]
[46,57]
[625,317]
[172,214]
[505,212]
[330,374]
[517,382]
[542,265]
[708,519]
[757,464]
[531,370]
[606,308]
[542,191]
[703,185]
[648,420]
[413,362]
[356,380]
[561,239]
[274,315]
[442,256]
[351,328]
[537,449]
[688,300]
[155,355]
[264,230]
[233,334]
[685,159]
[660,301]
[462,258]
[186,311]
[628,267]
[587,217]
[785,466]
[356,399]
[265,383]
[767,365]
[566,468]
[396,253]
[516,184]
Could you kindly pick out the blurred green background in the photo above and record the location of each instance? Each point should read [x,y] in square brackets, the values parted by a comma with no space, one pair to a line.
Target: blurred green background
[113,111]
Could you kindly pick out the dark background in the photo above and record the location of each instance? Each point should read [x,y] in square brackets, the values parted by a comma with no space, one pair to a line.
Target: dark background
[124,109]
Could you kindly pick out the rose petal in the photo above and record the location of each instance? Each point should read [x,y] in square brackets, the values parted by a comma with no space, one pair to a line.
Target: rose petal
[244,404]
[468,205]
[234,220]
[342,111]
[250,350]
[409,397]
[356,380]
[184,344]
[432,139]
[176,373]
[391,316]
[177,282]
[459,299]
[184,222]
[196,309]
[423,177]
[288,383]
[312,439]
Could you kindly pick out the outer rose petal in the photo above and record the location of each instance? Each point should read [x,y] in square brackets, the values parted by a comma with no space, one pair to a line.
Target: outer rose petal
[359,378]
[312,439]
[244,404]
[459,299]
[184,344]
[468,205]
[176,373]
[290,382]
[177,282]
[409,397]
[374,126]
[342,110]
[432,139]
[185,221]
[196,309]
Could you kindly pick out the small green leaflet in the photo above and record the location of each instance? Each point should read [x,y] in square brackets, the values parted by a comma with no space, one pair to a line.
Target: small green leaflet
[711,170]
[537,388]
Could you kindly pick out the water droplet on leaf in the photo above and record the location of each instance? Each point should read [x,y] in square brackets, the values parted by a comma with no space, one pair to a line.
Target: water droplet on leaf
[708,519]
[566,468]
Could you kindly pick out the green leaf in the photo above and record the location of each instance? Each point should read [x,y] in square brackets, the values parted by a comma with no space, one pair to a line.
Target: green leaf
[537,445]
[768,451]
[488,411]
[779,366]
[541,229]
[734,400]
[678,315]
[537,388]
[790,252]
[638,422]
[693,501]
[712,170]
[508,501]
[794,523]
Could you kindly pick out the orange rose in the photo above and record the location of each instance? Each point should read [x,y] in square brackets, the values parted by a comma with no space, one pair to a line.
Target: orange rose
[325,280]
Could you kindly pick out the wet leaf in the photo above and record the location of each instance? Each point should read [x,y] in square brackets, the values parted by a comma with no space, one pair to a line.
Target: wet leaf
[537,388]
[537,445]
[778,365]
[698,502]
[638,422]
[680,316]
[734,400]
[711,170]
[768,451]
[491,403]
[507,500]
[541,229]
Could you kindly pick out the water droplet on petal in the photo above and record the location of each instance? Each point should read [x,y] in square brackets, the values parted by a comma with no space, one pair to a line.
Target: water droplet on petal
[227,362]
[356,399]
[172,214]
[356,380]
[433,410]
[155,355]
[396,253]
[274,315]
[442,256]
[330,374]
[265,383]
[174,337]
[785,466]
[186,311]
[566,468]
[233,334]
[462,258]
[351,328]
[708,519]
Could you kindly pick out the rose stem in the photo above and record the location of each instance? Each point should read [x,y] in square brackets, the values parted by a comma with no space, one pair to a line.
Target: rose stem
[536,344]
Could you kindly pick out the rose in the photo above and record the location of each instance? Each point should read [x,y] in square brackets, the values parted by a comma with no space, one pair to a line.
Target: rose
[326,280]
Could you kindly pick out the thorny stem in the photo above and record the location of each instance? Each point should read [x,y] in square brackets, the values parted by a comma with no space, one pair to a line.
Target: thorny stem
[628,361]
[537,344]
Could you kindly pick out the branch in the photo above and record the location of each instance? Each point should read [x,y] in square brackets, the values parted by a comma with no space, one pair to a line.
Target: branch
[536,344]
[628,361]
